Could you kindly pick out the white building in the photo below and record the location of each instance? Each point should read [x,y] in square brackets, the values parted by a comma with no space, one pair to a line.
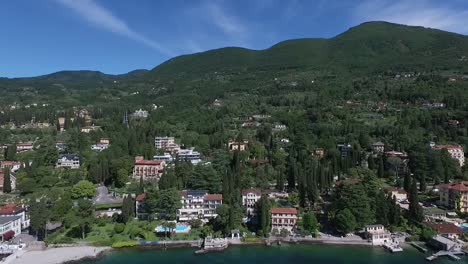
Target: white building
[71,161]
[10,226]
[189,155]
[99,147]
[167,157]
[198,204]
[456,151]
[140,114]
[377,234]
[166,143]
[15,210]
[250,197]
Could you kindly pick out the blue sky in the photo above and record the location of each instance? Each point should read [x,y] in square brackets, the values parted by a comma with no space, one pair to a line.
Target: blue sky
[117,36]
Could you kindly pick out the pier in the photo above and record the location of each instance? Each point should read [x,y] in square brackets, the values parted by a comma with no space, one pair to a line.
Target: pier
[419,247]
[450,254]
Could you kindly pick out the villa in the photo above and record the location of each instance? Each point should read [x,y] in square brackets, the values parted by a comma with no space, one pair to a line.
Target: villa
[15,210]
[445,229]
[140,210]
[89,129]
[237,145]
[20,147]
[166,143]
[283,218]
[250,197]
[148,168]
[10,226]
[189,155]
[198,204]
[455,151]
[377,234]
[454,195]
[378,147]
[70,161]
[140,114]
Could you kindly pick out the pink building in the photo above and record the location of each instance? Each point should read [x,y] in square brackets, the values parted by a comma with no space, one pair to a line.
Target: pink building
[283,218]
[148,169]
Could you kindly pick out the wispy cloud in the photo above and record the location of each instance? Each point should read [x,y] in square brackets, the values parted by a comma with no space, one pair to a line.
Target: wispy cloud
[103,18]
[426,13]
[226,22]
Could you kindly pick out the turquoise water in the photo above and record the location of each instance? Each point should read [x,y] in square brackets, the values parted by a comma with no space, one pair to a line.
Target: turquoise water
[296,254]
[464,226]
[178,229]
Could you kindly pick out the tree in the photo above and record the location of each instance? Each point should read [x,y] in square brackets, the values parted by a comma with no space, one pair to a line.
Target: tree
[371,162]
[84,214]
[6,180]
[163,203]
[415,212]
[381,168]
[40,215]
[83,189]
[264,214]
[10,152]
[128,209]
[141,186]
[309,222]
[345,222]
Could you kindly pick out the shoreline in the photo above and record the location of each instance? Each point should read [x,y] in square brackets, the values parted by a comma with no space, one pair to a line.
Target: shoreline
[57,255]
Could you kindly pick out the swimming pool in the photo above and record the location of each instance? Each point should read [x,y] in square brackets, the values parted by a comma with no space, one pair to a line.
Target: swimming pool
[464,226]
[180,228]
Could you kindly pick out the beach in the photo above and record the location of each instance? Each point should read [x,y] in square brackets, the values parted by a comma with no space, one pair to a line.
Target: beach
[55,255]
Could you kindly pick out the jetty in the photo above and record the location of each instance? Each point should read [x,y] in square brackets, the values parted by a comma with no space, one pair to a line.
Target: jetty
[419,247]
[212,245]
[451,254]
[393,247]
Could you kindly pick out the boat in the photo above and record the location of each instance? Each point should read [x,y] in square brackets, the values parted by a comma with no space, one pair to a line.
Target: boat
[213,245]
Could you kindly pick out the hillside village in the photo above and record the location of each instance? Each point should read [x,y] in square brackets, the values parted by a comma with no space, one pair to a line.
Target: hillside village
[293,153]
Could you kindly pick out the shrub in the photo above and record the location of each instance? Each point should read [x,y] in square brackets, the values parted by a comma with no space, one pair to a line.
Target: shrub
[122,244]
[119,228]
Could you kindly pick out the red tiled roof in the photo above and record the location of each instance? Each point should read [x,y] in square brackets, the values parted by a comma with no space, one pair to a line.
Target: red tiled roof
[141,197]
[448,147]
[10,209]
[252,190]
[148,162]
[459,186]
[213,197]
[445,228]
[283,211]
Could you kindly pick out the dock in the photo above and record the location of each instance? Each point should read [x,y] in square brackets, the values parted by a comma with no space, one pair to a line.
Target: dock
[419,247]
[450,254]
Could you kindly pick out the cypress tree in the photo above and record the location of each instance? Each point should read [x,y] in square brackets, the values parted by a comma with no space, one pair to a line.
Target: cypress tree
[407,182]
[371,162]
[415,213]
[381,168]
[141,186]
[6,181]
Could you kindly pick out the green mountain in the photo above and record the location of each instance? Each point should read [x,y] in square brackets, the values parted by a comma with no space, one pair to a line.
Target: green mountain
[371,46]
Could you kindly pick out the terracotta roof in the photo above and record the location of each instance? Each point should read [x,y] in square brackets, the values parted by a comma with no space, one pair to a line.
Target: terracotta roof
[10,209]
[459,186]
[213,197]
[252,190]
[148,162]
[283,211]
[445,228]
[141,197]
[448,147]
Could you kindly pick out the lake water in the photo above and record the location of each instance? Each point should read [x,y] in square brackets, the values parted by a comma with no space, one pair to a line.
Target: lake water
[296,254]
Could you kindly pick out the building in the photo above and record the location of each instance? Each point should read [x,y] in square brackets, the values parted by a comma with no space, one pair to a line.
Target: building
[378,147]
[10,226]
[15,210]
[455,151]
[70,161]
[167,157]
[280,127]
[61,146]
[12,180]
[198,204]
[189,155]
[237,145]
[377,234]
[396,154]
[166,143]
[446,229]
[103,144]
[397,193]
[20,147]
[140,114]
[140,207]
[345,149]
[250,197]
[319,153]
[434,214]
[88,129]
[12,165]
[454,195]
[443,243]
[283,218]
[148,169]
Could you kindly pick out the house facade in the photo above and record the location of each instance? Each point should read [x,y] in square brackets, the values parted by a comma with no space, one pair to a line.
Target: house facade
[446,229]
[454,195]
[148,169]
[166,143]
[15,210]
[140,207]
[250,197]
[10,226]
[20,147]
[70,161]
[237,145]
[455,151]
[198,204]
[283,218]
[377,234]
[378,147]
[189,155]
